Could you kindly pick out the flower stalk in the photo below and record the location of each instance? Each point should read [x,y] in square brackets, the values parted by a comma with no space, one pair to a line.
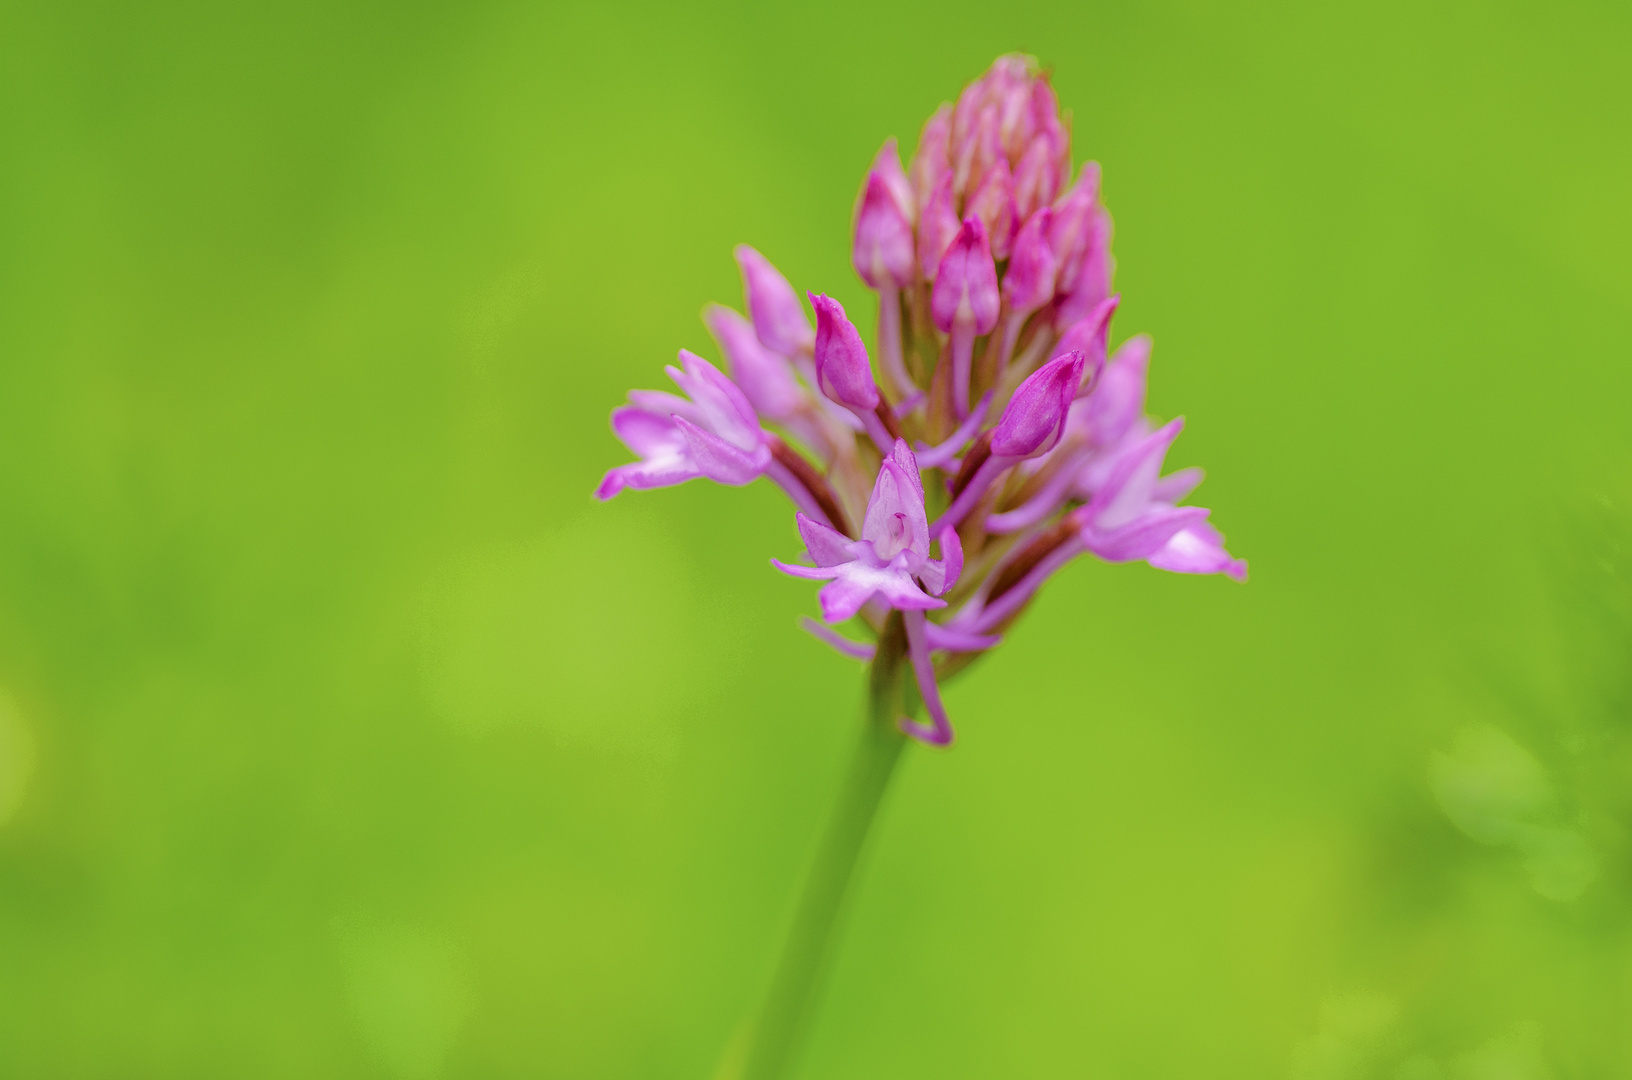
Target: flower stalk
[765,1050]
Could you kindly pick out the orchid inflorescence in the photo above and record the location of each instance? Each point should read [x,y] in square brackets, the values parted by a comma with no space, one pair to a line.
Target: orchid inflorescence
[993,272]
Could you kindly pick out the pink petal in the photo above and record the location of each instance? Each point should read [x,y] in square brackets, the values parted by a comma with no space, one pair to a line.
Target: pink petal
[1126,493]
[772,304]
[1198,550]
[719,460]
[948,639]
[647,434]
[645,475]
[826,546]
[882,244]
[1176,485]
[1035,417]
[1119,400]
[765,378]
[855,650]
[965,289]
[1144,536]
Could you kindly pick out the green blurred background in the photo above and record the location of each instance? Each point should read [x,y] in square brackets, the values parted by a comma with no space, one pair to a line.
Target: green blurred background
[342,734]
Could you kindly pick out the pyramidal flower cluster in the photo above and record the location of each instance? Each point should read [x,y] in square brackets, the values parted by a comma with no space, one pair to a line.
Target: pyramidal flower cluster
[998,438]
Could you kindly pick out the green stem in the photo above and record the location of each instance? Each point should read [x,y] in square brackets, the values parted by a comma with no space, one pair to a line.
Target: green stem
[767,1051]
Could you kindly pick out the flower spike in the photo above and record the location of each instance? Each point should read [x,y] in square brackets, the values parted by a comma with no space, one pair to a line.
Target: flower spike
[993,273]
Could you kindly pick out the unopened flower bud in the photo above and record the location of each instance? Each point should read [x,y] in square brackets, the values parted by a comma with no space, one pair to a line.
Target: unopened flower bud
[1091,337]
[1116,406]
[882,250]
[773,305]
[966,282]
[1044,105]
[1028,283]
[842,370]
[937,226]
[764,377]
[978,151]
[887,164]
[1073,218]
[930,160]
[1036,177]
[1092,281]
[1035,418]
[993,203]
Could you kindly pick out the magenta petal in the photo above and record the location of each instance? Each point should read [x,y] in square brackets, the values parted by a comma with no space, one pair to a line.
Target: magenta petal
[895,520]
[940,577]
[855,650]
[1145,535]
[904,457]
[646,475]
[766,379]
[1035,417]
[1093,272]
[1028,283]
[939,731]
[899,591]
[1090,336]
[965,290]
[1118,402]
[810,573]
[938,225]
[826,546]
[1072,224]
[948,639]
[930,163]
[1198,550]
[842,370]
[663,403]
[882,247]
[772,304]
[719,460]
[721,407]
[993,203]
[1176,485]
[645,433]
[887,165]
[1127,491]
[1035,177]
[844,596]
